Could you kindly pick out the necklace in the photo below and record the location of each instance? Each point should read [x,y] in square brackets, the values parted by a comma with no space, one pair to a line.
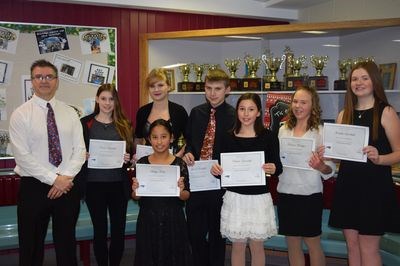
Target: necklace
[360,113]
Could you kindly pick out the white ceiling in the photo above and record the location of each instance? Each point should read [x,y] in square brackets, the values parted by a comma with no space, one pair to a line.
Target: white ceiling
[260,9]
[290,4]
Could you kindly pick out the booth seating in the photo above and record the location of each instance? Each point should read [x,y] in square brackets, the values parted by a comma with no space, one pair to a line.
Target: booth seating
[9,186]
[332,239]
[334,245]
[84,229]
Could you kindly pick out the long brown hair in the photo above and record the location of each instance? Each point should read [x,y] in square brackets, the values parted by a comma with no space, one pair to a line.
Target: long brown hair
[350,100]
[315,117]
[122,124]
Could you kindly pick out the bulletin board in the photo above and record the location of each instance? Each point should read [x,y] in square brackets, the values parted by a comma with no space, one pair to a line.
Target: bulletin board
[85,58]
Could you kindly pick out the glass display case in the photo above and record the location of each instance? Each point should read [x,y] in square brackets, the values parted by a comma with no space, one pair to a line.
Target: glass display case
[378,40]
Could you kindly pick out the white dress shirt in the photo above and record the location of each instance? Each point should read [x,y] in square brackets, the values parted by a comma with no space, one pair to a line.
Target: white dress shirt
[302,181]
[29,141]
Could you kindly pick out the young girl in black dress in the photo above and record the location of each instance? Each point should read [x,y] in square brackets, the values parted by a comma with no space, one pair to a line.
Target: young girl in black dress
[161,232]
[247,212]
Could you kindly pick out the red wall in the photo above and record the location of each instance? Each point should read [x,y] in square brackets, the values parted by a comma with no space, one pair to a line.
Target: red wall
[129,23]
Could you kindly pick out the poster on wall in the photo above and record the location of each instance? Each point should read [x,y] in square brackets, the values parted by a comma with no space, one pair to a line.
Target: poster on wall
[8,40]
[68,68]
[27,88]
[5,71]
[276,110]
[52,40]
[3,104]
[97,74]
[94,42]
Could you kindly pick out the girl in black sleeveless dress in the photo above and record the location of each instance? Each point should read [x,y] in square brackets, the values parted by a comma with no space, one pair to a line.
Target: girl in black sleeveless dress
[364,204]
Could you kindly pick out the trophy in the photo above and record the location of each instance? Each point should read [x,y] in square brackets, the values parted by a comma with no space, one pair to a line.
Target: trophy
[319,81]
[199,70]
[289,56]
[298,64]
[360,59]
[267,75]
[341,83]
[251,81]
[185,85]
[213,66]
[273,64]
[296,79]
[233,65]
[185,70]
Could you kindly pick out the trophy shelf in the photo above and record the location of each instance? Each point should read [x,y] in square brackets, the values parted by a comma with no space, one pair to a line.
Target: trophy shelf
[266,92]
[337,40]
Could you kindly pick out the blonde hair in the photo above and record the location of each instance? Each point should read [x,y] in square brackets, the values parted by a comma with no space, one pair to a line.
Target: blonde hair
[155,75]
[218,75]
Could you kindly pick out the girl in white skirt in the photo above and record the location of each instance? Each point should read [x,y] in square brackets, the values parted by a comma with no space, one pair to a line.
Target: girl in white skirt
[247,213]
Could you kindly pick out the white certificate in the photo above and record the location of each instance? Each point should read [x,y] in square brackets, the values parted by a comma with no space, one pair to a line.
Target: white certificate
[345,142]
[106,154]
[144,150]
[296,152]
[157,180]
[242,169]
[200,177]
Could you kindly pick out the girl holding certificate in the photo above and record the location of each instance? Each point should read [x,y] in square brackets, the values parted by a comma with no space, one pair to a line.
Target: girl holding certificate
[107,190]
[299,189]
[247,213]
[364,204]
[161,231]
[159,85]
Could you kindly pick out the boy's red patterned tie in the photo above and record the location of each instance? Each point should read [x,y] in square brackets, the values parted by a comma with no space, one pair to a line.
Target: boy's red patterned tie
[208,142]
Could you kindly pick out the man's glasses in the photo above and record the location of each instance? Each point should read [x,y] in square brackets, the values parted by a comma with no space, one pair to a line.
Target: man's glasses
[46,78]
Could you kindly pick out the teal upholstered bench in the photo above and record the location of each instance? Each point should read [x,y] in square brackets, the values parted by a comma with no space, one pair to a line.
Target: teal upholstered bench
[84,228]
[332,240]
[334,245]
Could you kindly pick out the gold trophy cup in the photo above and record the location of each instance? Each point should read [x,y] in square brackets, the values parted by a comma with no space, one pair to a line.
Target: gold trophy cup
[199,70]
[343,65]
[233,65]
[273,64]
[319,81]
[296,79]
[185,70]
[341,83]
[185,85]
[298,64]
[319,62]
[251,81]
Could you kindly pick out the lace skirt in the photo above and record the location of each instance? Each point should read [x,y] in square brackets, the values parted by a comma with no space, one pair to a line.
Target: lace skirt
[247,217]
